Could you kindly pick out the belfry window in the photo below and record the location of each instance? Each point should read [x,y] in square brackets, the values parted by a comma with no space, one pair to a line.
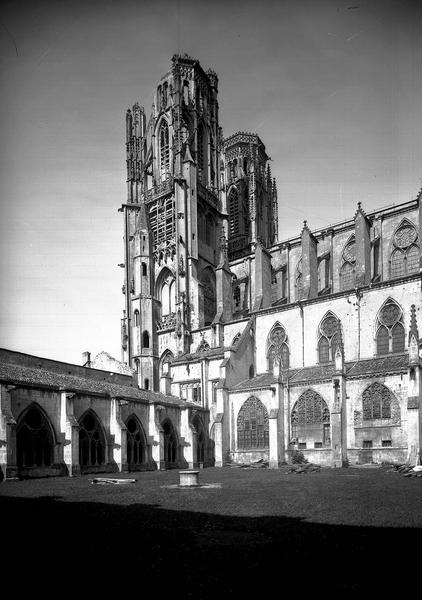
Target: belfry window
[390,335]
[234,213]
[347,271]
[405,254]
[252,425]
[164,152]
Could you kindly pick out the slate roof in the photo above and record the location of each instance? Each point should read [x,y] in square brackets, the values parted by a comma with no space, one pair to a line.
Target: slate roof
[259,381]
[395,363]
[29,376]
[211,353]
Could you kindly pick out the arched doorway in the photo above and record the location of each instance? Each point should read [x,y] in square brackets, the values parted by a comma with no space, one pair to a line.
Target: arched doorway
[92,444]
[136,444]
[34,439]
[170,445]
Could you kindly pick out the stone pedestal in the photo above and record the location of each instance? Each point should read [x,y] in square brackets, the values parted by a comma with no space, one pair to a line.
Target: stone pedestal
[189,478]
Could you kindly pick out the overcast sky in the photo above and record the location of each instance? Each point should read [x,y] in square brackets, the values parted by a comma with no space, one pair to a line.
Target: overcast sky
[333,88]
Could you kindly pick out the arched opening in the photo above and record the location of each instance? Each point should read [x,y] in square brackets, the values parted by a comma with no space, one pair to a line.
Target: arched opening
[310,421]
[252,426]
[201,439]
[165,361]
[390,334]
[170,444]
[145,339]
[136,317]
[136,444]
[347,270]
[92,445]
[329,332]
[164,149]
[34,439]
[209,302]
[144,269]
[404,259]
[146,384]
[234,213]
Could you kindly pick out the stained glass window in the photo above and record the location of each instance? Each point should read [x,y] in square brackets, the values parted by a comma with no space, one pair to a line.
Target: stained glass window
[310,419]
[252,425]
[329,338]
[390,331]
[323,350]
[277,347]
[382,340]
[398,337]
[397,264]
[412,260]
[347,276]
[376,402]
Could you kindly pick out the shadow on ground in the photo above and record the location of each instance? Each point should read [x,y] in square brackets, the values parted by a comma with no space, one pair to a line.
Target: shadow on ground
[190,554]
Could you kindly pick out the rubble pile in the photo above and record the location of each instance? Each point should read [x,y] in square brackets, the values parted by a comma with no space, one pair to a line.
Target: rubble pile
[407,470]
[305,468]
[256,464]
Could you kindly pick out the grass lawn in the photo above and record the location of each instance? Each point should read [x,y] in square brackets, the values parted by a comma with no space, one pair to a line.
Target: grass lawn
[356,529]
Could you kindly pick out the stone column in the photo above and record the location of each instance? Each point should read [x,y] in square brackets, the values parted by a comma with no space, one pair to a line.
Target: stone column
[414,394]
[69,428]
[338,422]
[119,431]
[218,440]
[155,436]
[187,434]
[273,427]
[8,458]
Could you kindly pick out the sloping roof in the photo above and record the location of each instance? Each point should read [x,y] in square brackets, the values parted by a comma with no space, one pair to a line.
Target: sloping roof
[30,376]
[211,353]
[371,367]
[395,363]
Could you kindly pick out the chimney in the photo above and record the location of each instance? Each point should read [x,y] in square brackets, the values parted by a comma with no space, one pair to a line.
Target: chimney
[86,359]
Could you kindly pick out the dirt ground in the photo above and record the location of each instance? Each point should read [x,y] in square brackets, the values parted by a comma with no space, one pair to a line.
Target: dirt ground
[246,531]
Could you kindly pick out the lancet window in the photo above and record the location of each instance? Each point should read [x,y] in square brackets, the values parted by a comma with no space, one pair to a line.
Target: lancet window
[164,149]
[328,338]
[91,441]
[278,347]
[405,253]
[136,447]
[390,334]
[34,439]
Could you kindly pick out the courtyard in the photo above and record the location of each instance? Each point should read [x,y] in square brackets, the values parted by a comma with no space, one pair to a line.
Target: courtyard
[352,529]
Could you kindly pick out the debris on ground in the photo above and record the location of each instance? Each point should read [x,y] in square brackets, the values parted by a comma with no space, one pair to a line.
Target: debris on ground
[260,463]
[407,470]
[105,480]
[306,468]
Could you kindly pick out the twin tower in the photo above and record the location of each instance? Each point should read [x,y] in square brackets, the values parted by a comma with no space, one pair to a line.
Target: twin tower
[196,202]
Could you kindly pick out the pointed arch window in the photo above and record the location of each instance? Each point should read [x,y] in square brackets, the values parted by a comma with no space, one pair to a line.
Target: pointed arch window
[404,258]
[209,302]
[278,348]
[136,446]
[136,317]
[91,441]
[164,149]
[376,402]
[328,338]
[390,334]
[252,425]
[165,361]
[34,439]
[310,420]
[348,267]
[170,444]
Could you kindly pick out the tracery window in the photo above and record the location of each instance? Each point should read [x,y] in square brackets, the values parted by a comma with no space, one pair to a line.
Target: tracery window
[405,254]
[91,441]
[376,402]
[166,359]
[234,213]
[347,270]
[390,335]
[310,418]
[34,439]
[278,348]
[161,217]
[328,338]
[136,447]
[252,425]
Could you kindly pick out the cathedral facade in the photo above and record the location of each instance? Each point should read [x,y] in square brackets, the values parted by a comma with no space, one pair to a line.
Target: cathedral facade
[236,346]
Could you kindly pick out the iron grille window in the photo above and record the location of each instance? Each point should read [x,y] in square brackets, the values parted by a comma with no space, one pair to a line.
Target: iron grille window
[234,215]
[161,216]
[367,443]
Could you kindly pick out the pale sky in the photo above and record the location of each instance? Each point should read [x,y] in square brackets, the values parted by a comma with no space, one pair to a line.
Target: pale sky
[333,88]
